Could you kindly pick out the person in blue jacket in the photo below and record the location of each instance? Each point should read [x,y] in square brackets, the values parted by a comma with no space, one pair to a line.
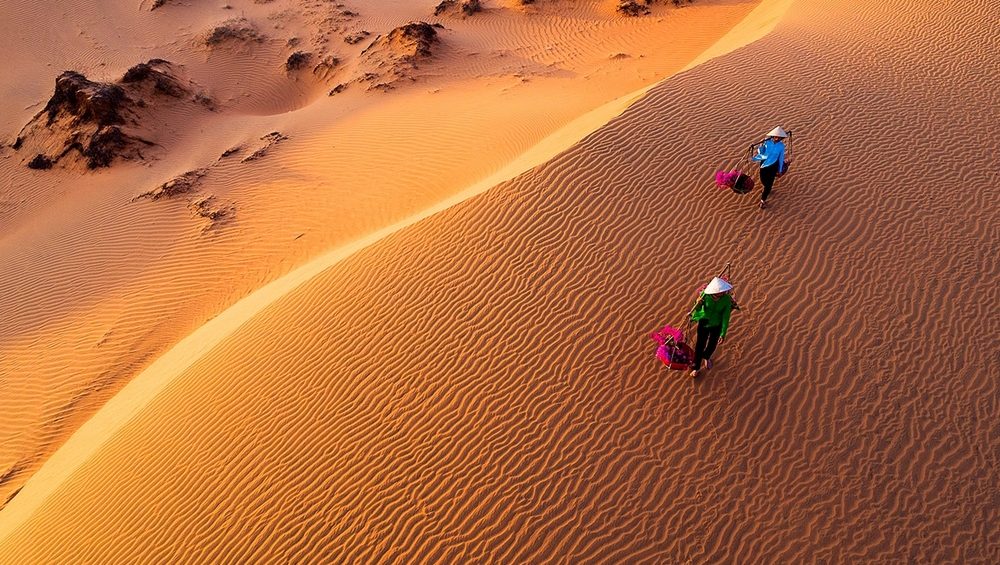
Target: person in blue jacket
[771,154]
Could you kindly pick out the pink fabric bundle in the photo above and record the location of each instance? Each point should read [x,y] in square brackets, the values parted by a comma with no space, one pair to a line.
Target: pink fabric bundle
[672,351]
[724,179]
[668,334]
[735,180]
[672,354]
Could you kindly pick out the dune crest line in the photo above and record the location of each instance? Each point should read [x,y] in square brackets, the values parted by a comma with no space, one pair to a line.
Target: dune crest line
[120,409]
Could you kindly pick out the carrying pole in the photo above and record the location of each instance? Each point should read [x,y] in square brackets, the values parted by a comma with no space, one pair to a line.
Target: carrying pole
[725,269]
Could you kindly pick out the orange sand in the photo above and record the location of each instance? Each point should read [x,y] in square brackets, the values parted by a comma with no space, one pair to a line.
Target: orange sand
[104,285]
[437,370]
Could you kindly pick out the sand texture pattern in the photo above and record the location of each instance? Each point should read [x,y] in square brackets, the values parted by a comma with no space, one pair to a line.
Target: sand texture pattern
[106,270]
[477,385]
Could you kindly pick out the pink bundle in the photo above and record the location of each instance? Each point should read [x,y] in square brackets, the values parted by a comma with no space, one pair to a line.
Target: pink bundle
[668,334]
[735,180]
[672,350]
[725,179]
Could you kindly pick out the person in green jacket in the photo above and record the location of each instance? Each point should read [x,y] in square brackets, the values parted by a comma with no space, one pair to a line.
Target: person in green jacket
[711,312]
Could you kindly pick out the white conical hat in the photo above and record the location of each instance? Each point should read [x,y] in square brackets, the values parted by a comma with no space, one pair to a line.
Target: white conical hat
[718,286]
[777,132]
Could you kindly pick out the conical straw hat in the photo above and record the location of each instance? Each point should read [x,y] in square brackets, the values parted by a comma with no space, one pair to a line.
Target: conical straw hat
[777,132]
[718,286]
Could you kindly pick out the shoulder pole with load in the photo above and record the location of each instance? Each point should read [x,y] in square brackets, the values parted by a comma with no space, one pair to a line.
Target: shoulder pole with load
[672,348]
[734,178]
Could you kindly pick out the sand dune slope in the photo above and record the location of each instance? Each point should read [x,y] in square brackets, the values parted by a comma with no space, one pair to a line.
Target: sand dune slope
[479,386]
[98,283]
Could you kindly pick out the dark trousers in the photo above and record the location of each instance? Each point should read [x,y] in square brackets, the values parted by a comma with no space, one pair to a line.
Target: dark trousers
[767,176]
[708,338]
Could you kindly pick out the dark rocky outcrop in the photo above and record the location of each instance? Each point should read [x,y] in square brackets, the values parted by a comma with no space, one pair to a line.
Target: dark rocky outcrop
[108,143]
[156,73]
[207,208]
[97,121]
[326,68]
[356,37]
[394,56]
[298,60]
[269,140]
[633,7]
[181,184]
[235,29]
[217,214]
[641,7]
[40,162]
[413,40]
[203,205]
[465,7]
[86,101]
[231,151]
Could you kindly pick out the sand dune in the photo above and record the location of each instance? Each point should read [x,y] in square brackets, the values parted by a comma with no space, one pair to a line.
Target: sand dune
[99,283]
[474,382]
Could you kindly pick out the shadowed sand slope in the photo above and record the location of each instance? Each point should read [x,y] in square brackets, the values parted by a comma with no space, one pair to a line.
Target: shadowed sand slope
[479,386]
